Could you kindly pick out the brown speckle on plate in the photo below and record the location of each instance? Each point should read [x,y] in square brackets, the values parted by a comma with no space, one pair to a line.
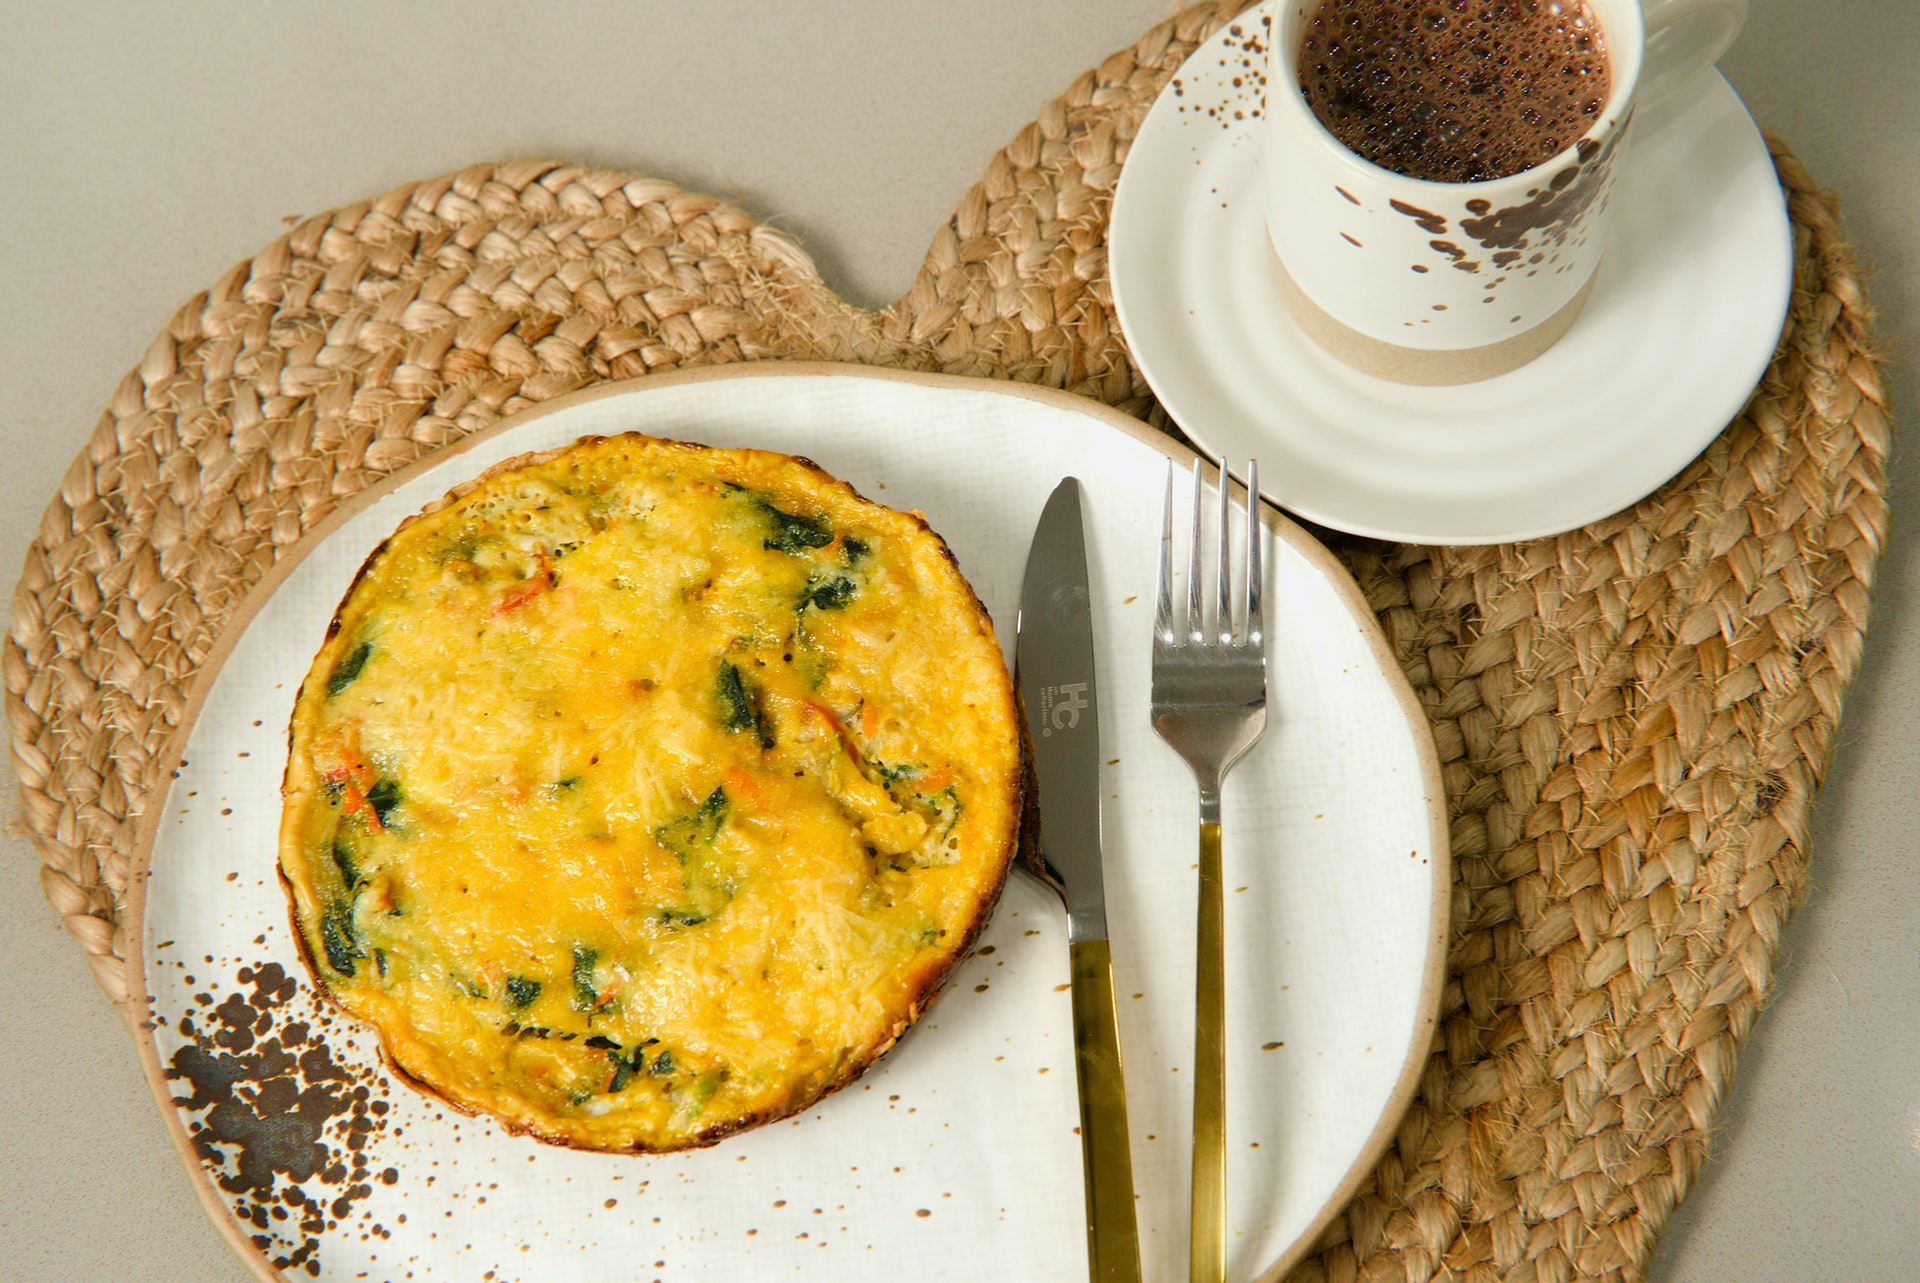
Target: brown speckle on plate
[281,1126]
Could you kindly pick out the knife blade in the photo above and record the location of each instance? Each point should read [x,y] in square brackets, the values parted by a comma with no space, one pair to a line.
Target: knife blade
[1054,670]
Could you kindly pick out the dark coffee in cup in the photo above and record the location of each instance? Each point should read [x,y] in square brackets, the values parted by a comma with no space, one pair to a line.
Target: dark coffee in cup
[1455,91]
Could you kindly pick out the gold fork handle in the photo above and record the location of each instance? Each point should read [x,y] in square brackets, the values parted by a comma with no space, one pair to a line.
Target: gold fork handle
[1208,1259]
[1113,1242]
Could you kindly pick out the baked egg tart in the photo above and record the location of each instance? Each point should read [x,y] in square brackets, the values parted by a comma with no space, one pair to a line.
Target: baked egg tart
[645,791]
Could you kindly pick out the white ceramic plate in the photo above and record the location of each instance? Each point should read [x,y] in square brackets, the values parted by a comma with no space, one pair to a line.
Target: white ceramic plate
[956,1154]
[1686,311]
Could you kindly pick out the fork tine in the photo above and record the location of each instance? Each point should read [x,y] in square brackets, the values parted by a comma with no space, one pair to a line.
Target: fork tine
[1163,608]
[1256,623]
[1196,613]
[1223,621]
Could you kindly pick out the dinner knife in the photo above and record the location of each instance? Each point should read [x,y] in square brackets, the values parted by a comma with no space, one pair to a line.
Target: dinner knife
[1053,661]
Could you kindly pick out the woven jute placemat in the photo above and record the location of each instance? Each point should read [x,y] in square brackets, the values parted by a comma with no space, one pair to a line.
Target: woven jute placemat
[1631,718]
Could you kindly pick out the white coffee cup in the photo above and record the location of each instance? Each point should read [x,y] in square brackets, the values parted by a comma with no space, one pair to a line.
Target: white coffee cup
[1433,282]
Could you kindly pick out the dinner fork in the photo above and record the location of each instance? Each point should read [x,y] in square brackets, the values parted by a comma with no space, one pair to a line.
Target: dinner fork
[1210,705]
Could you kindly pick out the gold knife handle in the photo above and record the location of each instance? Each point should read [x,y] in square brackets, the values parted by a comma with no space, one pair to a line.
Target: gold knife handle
[1208,1258]
[1113,1242]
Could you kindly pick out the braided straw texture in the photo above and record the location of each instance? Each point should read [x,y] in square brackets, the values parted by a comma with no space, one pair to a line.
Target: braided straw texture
[1631,718]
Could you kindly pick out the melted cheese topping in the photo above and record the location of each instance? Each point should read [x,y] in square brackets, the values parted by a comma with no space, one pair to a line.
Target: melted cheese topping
[645,791]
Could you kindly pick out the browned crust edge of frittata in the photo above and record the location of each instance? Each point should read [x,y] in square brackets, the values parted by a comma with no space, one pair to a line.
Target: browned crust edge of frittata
[1020,843]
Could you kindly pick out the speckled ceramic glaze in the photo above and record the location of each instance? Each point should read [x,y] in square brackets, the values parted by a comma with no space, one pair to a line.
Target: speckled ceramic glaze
[1433,282]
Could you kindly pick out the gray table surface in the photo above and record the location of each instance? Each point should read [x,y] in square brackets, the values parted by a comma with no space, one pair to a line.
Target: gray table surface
[146,148]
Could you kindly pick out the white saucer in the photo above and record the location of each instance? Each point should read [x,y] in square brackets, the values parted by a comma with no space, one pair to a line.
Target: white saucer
[1686,312]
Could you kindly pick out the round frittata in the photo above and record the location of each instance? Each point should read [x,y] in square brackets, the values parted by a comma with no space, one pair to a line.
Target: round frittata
[644,791]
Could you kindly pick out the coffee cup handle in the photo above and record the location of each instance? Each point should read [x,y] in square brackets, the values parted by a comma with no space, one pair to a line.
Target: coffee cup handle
[1684,38]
